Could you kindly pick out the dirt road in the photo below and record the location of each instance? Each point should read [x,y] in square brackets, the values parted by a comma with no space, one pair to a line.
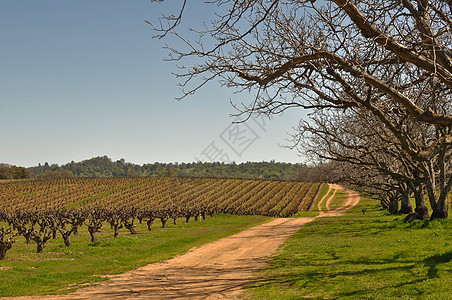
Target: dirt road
[352,200]
[217,270]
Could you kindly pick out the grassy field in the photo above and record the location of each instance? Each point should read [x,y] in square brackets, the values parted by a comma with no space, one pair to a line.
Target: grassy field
[356,256]
[339,199]
[61,269]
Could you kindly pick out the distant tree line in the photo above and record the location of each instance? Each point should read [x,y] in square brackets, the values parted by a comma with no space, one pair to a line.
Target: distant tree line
[103,166]
[14,172]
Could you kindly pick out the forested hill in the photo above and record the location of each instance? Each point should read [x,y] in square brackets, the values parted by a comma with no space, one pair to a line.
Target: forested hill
[105,167]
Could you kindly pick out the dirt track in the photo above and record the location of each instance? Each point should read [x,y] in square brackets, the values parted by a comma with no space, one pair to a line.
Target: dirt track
[352,200]
[216,270]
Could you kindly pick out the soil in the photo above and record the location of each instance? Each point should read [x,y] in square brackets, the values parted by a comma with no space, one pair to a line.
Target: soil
[217,270]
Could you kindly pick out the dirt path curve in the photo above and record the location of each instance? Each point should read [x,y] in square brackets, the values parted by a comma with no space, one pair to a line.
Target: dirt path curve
[352,200]
[218,270]
[328,201]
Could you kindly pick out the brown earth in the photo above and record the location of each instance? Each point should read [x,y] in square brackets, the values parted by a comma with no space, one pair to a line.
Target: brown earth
[217,270]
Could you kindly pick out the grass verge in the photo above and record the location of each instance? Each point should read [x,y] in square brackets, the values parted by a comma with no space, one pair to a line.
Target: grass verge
[339,200]
[61,269]
[356,256]
[332,193]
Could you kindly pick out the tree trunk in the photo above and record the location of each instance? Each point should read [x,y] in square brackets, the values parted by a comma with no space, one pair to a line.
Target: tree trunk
[131,228]
[440,211]
[92,233]
[27,237]
[116,228]
[3,248]
[394,205]
[419,196]
[421,210]
[40,247]
[66,236]
[67,241]
[405,205]
[149,223]
[129,225]
[2,252]
[163,220]
[439,214]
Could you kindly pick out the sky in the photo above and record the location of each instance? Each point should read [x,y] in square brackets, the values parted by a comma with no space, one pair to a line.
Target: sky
[86,78]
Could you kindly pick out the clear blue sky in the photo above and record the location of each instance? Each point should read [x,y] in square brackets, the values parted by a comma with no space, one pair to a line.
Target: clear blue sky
[85,78]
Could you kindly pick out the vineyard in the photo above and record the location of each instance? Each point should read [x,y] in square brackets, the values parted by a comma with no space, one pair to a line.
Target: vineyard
[40,209]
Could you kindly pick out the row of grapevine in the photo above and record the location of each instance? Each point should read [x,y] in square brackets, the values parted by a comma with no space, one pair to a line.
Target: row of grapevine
[41,226]
[55,194]
[235,196]
[39,210]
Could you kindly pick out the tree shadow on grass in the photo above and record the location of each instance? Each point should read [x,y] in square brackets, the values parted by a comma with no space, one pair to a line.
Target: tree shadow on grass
[306,280]
[433,261]
[365,291]
[327,227]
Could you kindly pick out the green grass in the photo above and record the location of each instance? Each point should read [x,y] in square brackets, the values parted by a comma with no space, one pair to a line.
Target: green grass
[330,194]
[356,256]
[61,269]
[339,199]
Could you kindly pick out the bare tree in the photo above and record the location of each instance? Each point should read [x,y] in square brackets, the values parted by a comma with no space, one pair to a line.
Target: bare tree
[94,224]
[390,60]
[114,218]
[357,137]
[64,218]
[42,234]
[317,52]
[128,217]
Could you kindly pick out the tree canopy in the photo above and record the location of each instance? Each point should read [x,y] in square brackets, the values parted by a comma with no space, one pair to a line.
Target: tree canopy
[14,172]
[103,166]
